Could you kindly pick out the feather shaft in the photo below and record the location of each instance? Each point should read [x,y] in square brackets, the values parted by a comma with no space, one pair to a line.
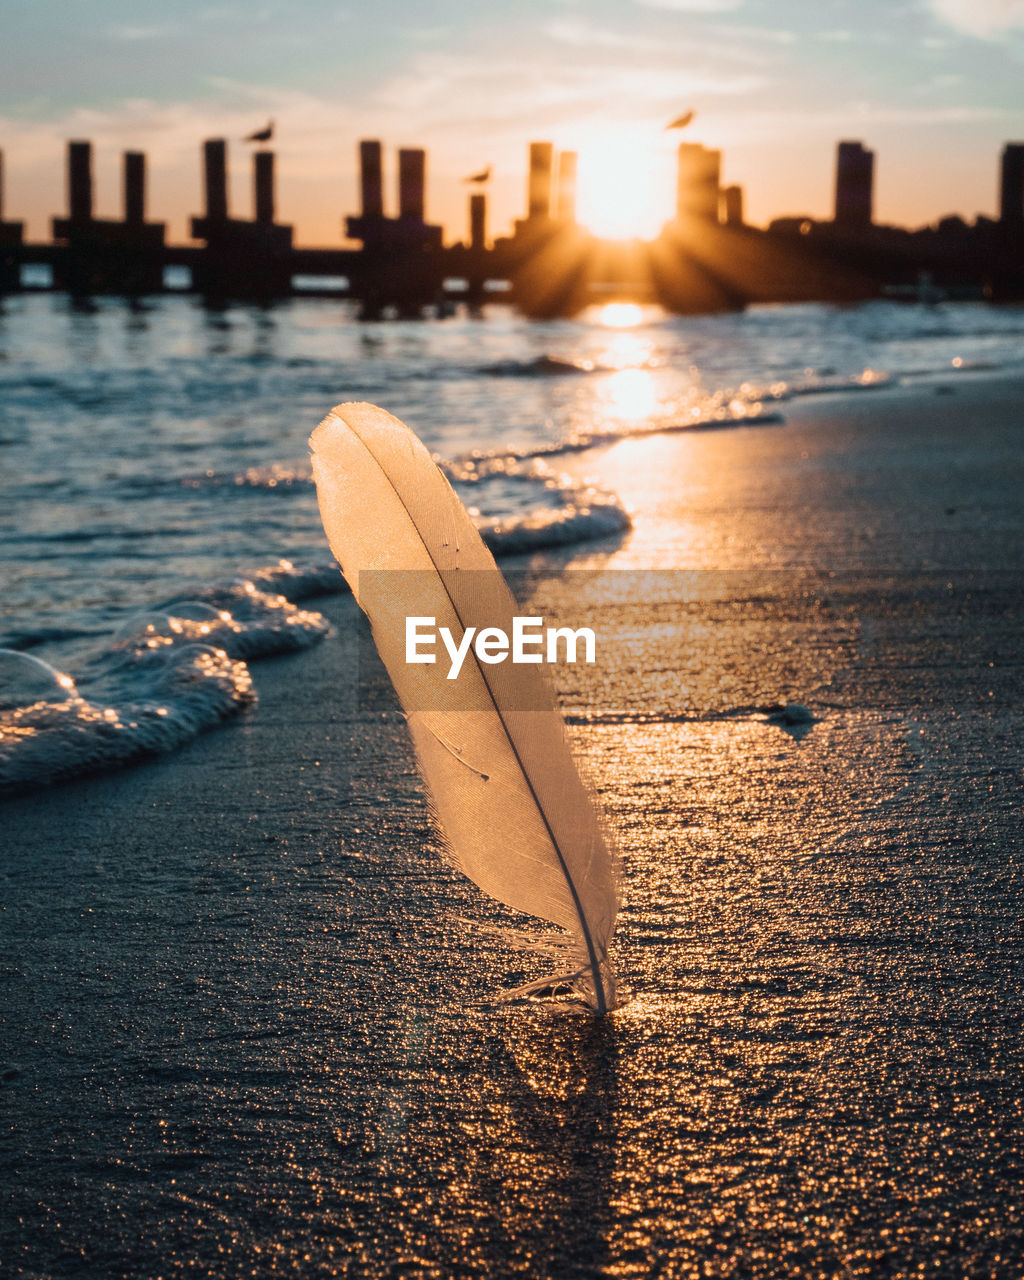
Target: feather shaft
[490,745]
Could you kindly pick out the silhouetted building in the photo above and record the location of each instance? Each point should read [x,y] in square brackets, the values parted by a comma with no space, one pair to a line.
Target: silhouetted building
[565,210]
[855,173]
[538,200]
[697,182]
[731,210]
[1011,186]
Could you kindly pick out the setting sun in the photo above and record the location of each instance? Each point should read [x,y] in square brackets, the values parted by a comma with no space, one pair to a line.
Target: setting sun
[619,315]
[621,185]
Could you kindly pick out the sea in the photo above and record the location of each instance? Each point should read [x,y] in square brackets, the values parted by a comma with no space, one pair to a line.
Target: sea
[250,1022]
[159,530]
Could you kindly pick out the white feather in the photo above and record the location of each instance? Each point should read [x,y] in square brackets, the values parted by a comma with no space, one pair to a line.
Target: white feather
[491,746]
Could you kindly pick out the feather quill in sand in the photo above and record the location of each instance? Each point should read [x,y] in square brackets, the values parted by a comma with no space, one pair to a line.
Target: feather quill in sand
[491,746]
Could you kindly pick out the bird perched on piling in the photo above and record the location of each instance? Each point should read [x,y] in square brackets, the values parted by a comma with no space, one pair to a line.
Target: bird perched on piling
[261,135]
[483,176]
[680,122]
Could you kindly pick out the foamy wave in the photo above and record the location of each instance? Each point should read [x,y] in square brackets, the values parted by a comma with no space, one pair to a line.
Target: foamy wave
[300,581]
[820,384]
[601,518]
[242,619]
[541,367]
[710,413]
[50,732]
[178,669]
[164,677]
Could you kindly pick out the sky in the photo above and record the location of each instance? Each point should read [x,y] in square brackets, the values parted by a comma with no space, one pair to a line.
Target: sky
[934,87]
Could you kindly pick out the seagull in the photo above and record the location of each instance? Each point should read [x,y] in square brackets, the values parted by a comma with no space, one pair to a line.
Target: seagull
[261,135]
[483,176]
[680,122]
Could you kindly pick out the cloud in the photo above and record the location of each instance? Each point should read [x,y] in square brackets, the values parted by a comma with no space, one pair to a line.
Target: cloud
[986,19]
[692,6]
[584,35]
[718,50]
[132,32]
[759,35]
[939,83]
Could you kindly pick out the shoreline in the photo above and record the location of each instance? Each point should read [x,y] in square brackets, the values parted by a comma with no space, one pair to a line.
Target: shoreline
[246,1020]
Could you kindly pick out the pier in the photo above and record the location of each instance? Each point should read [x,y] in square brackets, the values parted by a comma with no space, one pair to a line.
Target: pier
[705,259]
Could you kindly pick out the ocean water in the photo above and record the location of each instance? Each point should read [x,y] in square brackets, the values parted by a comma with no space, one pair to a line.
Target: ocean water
[158,524]
[247,1026]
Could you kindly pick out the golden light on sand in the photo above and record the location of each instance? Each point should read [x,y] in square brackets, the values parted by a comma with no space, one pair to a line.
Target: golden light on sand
[619,193]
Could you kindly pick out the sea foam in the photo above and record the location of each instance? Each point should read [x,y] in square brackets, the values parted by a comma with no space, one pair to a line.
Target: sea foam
[165,676]
[181,667]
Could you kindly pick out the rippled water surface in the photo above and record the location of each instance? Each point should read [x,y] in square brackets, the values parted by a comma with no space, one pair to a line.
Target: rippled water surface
[250,1023]
[147,446]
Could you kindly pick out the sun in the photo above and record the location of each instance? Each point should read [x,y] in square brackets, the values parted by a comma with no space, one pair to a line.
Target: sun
[621,186]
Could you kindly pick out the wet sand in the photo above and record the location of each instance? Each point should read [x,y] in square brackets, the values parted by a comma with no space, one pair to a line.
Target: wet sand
[247,1029]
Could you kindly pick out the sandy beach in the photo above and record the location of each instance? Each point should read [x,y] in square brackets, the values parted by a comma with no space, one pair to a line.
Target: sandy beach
[819,1071]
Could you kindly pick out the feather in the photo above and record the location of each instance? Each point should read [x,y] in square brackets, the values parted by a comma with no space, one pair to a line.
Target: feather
[516,816]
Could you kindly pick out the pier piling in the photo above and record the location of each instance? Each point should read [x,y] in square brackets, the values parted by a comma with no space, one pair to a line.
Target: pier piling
[104,255]
[371,179]
[697,183]
[705,259]
[401,262]
[215,175]
[412,165]
[134,188]
[241,259]
[11,235]
[478,222]
[538,204]
[80,181]
[263,182]
[566,208]
[731,210]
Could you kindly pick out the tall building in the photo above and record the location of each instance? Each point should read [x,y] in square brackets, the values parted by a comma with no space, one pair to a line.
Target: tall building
[697,182]
[1011,186]
[855,175]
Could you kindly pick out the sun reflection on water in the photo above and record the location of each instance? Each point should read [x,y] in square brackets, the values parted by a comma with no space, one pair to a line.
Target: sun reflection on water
[630,394]
[620,315]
